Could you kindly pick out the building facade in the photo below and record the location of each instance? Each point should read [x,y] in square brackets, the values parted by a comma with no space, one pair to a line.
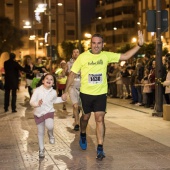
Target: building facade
[143,6]
[116,20]
[59,18]
[119,20]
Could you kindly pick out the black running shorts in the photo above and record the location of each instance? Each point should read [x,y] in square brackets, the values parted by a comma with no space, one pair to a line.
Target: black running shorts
[93,103]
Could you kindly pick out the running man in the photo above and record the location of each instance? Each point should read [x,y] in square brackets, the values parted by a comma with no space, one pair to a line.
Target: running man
[74,89]
[93,91]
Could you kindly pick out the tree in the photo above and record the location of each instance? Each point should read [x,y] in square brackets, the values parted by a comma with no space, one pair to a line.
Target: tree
[149,49]
[68,47]
[10,36]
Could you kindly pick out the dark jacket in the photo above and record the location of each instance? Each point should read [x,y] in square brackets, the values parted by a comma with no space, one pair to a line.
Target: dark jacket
[29,75]
[12,69]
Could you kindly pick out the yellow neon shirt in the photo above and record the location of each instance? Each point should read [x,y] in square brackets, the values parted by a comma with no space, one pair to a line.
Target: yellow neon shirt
[93,68]
[60,80]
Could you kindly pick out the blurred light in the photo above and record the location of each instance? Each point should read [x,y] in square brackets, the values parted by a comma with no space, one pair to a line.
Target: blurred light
[32,37]
[46,37]
[99,18]
[38,10]
[87,35]
[114,28]
[41,8]
[27,24]
[41,43]
[138,23]
[152,33]
[41,38]
[60,4]
[122,63]
[134,40]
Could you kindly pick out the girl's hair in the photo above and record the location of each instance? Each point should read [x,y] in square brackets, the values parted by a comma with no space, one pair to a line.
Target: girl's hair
[43,77]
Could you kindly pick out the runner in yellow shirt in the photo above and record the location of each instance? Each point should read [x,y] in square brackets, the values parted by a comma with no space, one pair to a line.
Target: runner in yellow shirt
[93,90]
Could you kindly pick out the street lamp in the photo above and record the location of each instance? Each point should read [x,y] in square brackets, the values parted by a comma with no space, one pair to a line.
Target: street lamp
[87,35]
[27,24]
[134,40]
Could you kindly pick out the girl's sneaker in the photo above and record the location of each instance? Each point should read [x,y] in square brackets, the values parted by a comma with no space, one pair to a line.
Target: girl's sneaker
[51,139]
[41,154]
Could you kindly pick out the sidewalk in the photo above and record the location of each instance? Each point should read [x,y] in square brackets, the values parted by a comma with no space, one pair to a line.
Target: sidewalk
[134,140]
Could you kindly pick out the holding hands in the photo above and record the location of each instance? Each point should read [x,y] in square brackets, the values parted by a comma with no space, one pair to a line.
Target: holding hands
[64,96]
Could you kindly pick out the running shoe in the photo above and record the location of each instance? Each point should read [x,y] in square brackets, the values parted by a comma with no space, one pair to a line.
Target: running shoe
[83,142]
[41,153]
[51,139]
[100,155]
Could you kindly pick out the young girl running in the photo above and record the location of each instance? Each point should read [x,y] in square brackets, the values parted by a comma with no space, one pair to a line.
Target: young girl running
[43,98]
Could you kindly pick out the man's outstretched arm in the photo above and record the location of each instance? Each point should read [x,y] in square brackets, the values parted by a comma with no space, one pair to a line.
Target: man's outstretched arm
[131,52]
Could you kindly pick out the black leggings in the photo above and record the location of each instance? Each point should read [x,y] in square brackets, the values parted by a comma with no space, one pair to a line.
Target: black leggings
[60,92]
[30,91]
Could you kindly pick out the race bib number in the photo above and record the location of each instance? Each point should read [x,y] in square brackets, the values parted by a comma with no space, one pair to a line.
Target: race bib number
[95,78]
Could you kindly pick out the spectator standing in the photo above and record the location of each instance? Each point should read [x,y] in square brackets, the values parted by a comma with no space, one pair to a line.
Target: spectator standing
[152,80]
[165,69]
[166,83]
[147,89]
[133,73]
[119,83]
[12,73]
[139,77]
[126,80]
[113,85]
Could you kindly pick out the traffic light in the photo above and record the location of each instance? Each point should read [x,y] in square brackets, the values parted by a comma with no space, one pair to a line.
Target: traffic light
[151,20]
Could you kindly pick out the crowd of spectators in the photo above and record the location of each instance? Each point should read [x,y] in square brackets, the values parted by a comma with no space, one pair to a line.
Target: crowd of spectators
[136,81]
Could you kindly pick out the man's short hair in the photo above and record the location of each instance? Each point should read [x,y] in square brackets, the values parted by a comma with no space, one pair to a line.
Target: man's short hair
[97,35]
[12,56]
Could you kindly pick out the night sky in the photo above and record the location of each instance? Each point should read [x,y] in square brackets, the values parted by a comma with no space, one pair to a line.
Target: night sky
[87,11]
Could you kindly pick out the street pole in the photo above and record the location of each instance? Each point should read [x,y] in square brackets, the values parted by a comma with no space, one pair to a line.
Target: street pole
[79,23]
[50,41]
[158,86]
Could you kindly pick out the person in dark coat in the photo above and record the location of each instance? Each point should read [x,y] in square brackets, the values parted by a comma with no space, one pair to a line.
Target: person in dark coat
[12,74]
